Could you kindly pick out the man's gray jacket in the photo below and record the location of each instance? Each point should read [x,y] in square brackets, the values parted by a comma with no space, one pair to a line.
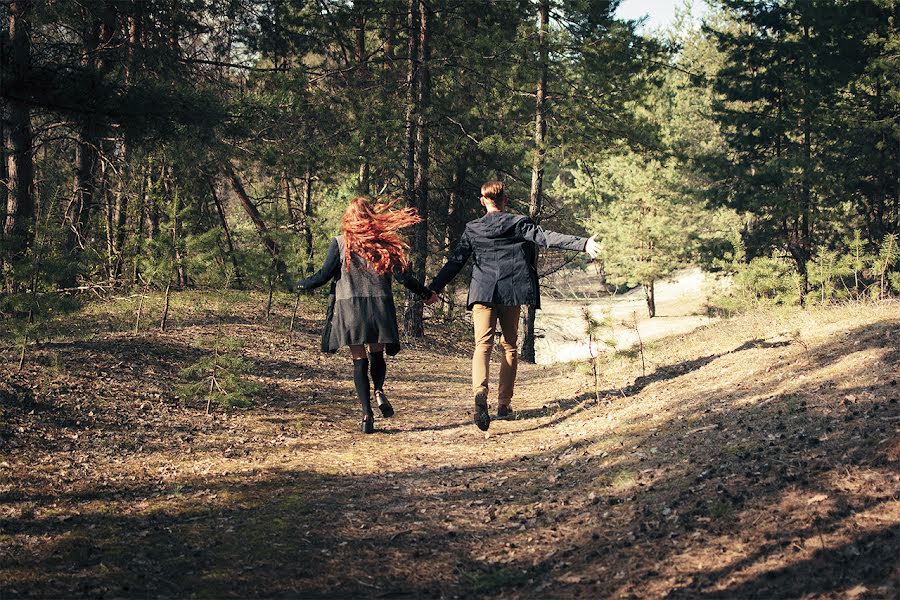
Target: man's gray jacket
[504,247]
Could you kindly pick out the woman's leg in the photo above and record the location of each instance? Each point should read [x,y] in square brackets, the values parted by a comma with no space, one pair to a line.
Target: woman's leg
[377,366]
[361,380]
[379,371]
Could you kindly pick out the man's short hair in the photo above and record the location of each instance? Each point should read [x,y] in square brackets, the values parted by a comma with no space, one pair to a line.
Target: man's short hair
[493,191]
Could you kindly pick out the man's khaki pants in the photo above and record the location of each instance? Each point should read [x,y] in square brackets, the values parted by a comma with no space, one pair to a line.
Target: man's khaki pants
[485,317]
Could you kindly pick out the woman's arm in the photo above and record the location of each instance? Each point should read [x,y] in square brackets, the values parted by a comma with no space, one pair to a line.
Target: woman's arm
[411,283]
[329,268]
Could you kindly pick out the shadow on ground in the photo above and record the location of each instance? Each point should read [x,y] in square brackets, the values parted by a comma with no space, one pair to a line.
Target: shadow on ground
[739,499]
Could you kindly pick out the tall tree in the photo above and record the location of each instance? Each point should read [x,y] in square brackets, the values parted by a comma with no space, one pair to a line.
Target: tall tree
[786,65]
[418,97]
[537,166]
[261,228]
[18,225]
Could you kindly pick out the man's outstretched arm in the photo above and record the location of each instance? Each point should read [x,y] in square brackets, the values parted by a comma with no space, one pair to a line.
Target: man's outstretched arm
[454,265]
[530,231]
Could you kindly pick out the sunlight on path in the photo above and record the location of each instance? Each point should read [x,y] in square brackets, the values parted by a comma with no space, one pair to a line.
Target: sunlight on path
[560,326]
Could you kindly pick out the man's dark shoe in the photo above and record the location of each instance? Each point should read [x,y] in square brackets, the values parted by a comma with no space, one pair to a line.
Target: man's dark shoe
[384,406]
[482,418]
[503,411]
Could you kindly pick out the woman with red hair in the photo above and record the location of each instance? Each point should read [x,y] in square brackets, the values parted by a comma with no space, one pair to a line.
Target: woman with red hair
[360,264]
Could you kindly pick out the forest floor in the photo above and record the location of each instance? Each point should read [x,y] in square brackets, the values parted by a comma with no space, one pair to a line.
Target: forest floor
[757,457]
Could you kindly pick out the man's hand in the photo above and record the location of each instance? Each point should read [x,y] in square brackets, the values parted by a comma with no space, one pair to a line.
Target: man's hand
[432,299]
[592,247]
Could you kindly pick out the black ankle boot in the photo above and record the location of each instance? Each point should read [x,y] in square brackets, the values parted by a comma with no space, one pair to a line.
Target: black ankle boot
[384,406]
[367,425]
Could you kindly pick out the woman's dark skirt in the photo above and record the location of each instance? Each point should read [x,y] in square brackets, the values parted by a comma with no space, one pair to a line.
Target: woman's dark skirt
[356,321]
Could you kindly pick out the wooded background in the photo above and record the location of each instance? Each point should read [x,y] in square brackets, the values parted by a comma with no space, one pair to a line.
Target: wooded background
[214,144]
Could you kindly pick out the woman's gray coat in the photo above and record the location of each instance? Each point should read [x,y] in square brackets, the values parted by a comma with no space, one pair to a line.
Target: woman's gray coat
[361,303]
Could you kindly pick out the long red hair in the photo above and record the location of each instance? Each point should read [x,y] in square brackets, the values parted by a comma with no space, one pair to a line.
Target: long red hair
[372,232]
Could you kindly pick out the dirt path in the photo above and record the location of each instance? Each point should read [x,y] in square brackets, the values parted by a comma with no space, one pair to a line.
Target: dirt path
[680,302]
[744,465]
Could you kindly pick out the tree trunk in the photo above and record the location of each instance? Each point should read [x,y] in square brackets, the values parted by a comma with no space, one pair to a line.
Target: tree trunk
[537,167]
[116,205]
[120,214]
[879,204]
[805,241]
[650,297]
[258,223]
[79,209]
[413,318]
[455,211]
[455,224]
[153,217]
[412,96]
[175,198]
[78,212]
[139,226]
[389,32]
[288,205]
[4,143]
[412,102]
[238,282]
[109,218]
[307,223]
[119,208]
[18,225]
[363,183]
[135,30]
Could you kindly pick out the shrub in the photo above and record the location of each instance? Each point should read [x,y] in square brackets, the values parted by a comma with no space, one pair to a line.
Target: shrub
[218,376]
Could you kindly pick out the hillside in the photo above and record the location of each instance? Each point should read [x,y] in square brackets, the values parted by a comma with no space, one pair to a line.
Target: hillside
[757,457]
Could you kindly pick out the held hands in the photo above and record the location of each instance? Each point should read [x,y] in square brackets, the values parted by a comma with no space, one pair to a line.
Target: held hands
[431,299]
[592,247]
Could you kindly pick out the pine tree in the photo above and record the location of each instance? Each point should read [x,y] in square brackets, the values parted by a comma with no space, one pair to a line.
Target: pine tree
[786,65]
[888,257]
[218,377]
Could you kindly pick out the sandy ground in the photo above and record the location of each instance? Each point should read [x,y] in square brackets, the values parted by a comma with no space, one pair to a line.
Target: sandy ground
[680,304]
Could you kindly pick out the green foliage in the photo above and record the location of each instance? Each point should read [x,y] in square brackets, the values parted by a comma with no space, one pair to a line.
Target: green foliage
[825,271]
[649,225]
[649,207]
[734,260]
[834,275]
[645,234]
[888,257]
[593,328]
[34,306]
[762,281]
[802,104]
[855,272]
[218,377]
[894,281]
[784,111]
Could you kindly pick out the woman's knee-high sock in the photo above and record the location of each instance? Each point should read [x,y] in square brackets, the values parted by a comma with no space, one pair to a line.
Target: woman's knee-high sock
[361,381]
[379,369]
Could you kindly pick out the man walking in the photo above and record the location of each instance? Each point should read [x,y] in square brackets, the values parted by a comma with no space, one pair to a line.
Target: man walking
[504,277]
